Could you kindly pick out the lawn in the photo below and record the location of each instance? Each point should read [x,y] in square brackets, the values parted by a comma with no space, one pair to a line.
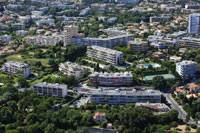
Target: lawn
[40,80]
[18,57]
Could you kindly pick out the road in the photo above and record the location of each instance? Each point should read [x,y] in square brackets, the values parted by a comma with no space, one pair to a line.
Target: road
[174,104]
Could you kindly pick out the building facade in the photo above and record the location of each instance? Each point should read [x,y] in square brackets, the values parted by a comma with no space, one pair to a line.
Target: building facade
[71,69]
[111,79]
[117,96]
[194,23]
[69,32]
[108,42]
[138,46]
[55,90]
[43,40]
[105,54]
[17,68]
[186,69]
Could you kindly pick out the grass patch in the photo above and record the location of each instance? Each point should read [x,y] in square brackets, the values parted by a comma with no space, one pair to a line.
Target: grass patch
[40,80]
[20,58]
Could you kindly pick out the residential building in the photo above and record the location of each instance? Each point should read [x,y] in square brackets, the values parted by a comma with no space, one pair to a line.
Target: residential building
[194,23]
[104,96]
[159,54]
[175,58]
[5,38]
[22,32]
[85,11]
[108,42]
[186,69]
[159,19]
[158,108]
[17,68]
[112,20]
[71,69]
[55,90]
[111,79]
[128,1]
[194,87]
[18,26]
[192,6]
[179,91]
[45,22]
[69,32]
[99,116]
[190,42]
[138,46]
[43,40]
[105,54]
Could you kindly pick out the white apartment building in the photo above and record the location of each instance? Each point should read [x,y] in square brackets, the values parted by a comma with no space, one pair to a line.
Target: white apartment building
[105,54]
[5,38]
[71,69]
[194,23]
[69,32]
[138,46]
[55,90]
[186,69]
[17,68]
[190,42]
[43,40]
[111,79]
[108,42]
[103,96]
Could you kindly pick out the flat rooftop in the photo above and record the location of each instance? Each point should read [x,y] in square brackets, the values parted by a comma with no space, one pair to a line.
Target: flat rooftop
[125,92]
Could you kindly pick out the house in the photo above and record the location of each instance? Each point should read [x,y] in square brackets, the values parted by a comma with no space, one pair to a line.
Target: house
[159,55]
[194,87]
[175,58]
[99,116]
[191,95]
[179,91]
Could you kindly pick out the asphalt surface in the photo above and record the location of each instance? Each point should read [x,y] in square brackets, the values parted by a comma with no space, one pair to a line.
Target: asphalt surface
[174,104]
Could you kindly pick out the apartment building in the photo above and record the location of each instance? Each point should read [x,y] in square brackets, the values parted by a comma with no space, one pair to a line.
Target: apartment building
[71,69]
[69,32]
[128,1]
[108,42]
[111,79]
[43,40]
[159,19]
[104,96]
[190,42]
[55,90]
[138,46]
[105,54]
[194,23]
[5,38]
[17,68]
[186,69]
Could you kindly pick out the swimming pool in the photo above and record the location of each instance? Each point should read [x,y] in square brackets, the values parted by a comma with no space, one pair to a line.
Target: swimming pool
[147,65]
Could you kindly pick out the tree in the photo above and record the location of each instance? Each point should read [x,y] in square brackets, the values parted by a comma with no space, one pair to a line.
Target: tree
[159,83]
[22,82]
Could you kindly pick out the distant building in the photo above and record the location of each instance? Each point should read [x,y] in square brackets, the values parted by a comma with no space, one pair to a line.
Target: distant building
[102,96]
[190,42]
[18,26]
[159,19]
[22,32]
[71,69]
[17,68]
[155,107]
[99,116]
[111,79]
[186,69]
[112,20]
[85,11]
[5,38]
[194,23]
[127,1]
[192,6]
[48,89]
[69,32]
[105,54]
[175,58]
[43,40]
[108,42]
[159,55]
[138,46]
